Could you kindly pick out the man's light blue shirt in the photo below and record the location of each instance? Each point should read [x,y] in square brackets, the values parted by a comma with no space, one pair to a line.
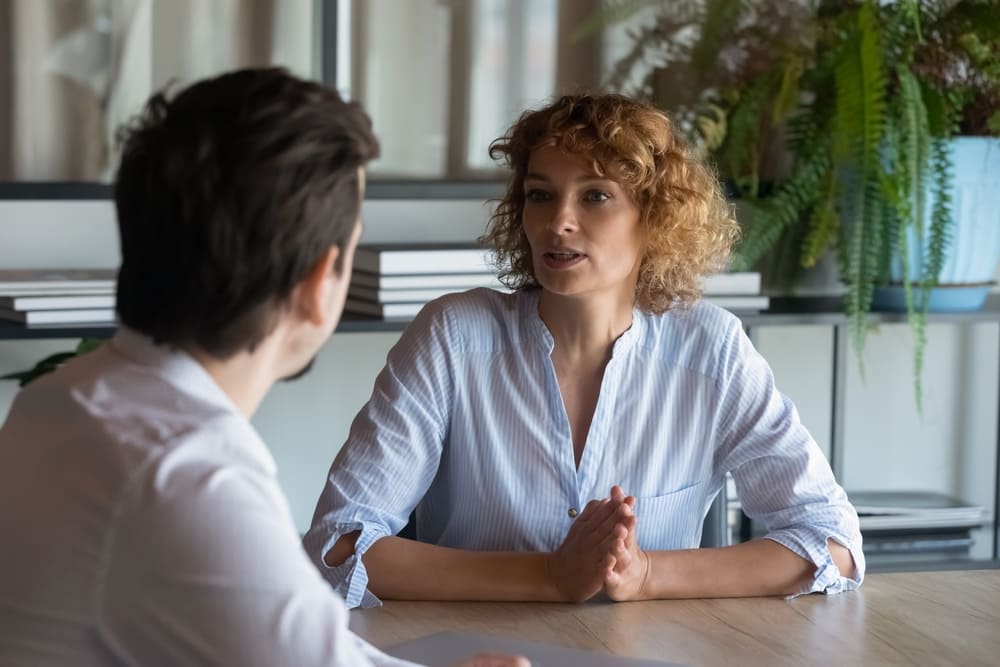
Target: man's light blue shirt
[467,420]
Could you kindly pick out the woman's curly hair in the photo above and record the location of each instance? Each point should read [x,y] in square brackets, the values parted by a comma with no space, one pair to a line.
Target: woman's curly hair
[687,224]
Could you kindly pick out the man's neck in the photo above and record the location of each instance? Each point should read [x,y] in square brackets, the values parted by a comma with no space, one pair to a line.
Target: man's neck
[245,377]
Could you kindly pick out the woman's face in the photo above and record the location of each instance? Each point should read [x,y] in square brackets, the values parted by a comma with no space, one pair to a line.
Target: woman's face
[583,228]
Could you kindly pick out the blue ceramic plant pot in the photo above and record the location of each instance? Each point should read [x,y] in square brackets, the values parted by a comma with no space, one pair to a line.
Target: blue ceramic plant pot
[974,250]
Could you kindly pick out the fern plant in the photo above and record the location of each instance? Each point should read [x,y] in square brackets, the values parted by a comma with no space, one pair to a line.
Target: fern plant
[862,95]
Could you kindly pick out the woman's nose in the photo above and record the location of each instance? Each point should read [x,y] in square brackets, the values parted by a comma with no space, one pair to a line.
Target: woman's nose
[564,219]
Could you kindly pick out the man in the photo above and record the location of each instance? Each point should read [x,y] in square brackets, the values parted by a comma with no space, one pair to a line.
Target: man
[141,516]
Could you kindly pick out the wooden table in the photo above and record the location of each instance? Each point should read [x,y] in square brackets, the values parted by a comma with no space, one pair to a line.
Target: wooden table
[913,618]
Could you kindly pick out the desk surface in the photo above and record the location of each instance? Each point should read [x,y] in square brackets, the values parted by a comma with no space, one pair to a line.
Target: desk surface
[932,618]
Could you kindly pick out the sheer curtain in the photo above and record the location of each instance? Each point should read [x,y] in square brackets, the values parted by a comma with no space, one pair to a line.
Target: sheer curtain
[443,78]
[73,70]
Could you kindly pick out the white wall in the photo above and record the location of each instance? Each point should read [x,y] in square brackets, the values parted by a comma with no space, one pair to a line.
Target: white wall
[951,448]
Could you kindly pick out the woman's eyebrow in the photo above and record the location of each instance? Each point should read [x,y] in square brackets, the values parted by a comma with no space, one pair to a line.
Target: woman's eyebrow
[534,176]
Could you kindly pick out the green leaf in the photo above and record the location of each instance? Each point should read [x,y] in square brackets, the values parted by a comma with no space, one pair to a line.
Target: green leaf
[52,362]
[994,123]
[861,122]
[787,98]
[823,226]
[88,345]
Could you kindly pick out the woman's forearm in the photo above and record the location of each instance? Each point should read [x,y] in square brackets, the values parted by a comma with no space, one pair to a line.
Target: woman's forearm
[402,569]
[756,568]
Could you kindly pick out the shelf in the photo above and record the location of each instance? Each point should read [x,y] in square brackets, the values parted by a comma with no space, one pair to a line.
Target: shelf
[783,311]
[16,331]
[829,311]
[927,565]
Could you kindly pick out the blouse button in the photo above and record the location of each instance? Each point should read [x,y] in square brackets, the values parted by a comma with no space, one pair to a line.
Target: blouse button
[572,512]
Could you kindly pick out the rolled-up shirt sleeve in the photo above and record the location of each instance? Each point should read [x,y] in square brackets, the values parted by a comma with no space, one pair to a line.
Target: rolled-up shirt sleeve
[350,578]
[391,455]
[782,477]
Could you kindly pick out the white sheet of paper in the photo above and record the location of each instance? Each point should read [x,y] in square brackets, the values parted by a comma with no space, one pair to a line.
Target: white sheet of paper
[445,649]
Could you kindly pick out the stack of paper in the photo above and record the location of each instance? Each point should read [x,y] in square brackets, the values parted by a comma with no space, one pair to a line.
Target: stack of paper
[737,291]
[58,296]
[450,648]
[900,510]
[395,280]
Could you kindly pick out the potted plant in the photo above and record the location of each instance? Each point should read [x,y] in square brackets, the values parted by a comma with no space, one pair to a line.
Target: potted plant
[865,98]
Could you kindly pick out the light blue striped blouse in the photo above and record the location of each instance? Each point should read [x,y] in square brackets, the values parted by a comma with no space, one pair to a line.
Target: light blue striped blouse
[466,420]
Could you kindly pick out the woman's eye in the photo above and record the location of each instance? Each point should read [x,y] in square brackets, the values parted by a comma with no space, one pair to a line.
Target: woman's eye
[596,196]
[535,195]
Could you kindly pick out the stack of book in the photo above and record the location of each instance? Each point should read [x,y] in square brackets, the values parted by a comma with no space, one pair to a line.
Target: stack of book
[394,281]
[58,296]
[736,291]
[901,526]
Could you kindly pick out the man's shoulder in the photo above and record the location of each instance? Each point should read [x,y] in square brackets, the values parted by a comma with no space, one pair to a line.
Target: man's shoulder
[128,418]
[202,484]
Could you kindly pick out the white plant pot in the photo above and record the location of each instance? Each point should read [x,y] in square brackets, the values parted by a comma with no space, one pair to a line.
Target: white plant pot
[973,252]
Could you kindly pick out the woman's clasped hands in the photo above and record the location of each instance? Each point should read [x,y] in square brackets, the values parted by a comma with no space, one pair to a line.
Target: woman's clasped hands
[601,553]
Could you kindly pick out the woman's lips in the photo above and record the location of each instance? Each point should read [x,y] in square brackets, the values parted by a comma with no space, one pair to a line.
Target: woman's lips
[562,259]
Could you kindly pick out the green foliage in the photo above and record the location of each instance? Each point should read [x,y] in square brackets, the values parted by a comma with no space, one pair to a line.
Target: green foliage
[740,147]
[771,215]
[610,13]
[52,362]
[720,19]
[859,125]
[862,95]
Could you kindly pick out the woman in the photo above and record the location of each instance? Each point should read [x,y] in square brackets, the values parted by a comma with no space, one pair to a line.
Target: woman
[567,439]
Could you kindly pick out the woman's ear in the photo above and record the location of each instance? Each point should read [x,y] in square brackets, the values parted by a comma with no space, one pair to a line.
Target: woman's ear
[313,294]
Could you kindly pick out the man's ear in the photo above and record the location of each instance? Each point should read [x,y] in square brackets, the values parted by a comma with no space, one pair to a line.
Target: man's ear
[312,295]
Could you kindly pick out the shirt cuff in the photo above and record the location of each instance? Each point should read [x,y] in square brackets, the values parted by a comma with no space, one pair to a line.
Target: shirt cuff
[813,548]
[350,578]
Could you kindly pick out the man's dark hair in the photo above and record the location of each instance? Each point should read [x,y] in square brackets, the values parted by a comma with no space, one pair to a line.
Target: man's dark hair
[227,195]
